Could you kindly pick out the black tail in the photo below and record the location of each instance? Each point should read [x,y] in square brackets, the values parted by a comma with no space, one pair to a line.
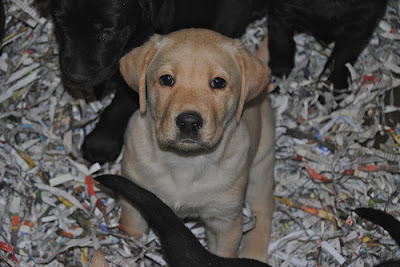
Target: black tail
[388,222]
[383,219]
[181,247]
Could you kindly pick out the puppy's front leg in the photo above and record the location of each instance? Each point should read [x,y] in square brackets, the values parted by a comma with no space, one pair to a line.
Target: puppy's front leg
[132,220]
[223,235]
[259,195]
[255,245]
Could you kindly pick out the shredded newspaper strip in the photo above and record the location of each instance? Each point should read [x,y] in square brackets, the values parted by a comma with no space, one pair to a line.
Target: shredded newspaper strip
[333,154]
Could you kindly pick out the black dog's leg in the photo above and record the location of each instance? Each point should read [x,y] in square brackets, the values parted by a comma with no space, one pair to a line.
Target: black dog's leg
[354,38]
[346,51]
[105,142]
[281,47]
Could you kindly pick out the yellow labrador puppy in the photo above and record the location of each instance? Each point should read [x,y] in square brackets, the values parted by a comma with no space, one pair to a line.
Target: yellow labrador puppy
[203,140]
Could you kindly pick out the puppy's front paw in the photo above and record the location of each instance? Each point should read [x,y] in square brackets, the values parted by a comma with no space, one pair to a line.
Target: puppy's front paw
[101,148]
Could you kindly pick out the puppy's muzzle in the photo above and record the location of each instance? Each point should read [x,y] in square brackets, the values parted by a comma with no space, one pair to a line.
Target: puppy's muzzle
[189,125]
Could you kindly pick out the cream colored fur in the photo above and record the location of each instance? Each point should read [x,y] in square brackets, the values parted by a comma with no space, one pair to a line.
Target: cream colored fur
[231,162]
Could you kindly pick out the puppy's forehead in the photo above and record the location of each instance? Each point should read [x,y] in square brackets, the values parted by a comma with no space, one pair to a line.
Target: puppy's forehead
[195,47]
[198,36]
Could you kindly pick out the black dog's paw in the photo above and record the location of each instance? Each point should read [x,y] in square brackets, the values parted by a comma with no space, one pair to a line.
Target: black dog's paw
[101,148]
[280,69]
[339,80]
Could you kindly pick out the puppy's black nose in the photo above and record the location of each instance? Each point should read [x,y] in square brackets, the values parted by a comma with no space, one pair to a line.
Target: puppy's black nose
[76,78]
[74,71]
[189,123]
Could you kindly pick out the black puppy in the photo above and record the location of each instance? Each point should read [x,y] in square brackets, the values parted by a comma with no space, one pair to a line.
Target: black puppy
[348,23]
[94,34]
[181,247]
[388,222]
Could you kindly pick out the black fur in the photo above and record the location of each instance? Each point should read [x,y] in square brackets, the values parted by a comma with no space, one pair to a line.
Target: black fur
[388,222]
[181,247]
[43,7]
[228,17]
[94,34]
[348,23]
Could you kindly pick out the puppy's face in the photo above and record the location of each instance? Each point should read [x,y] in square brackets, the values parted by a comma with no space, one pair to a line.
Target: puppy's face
[193,84]
[91,35]
[193,91]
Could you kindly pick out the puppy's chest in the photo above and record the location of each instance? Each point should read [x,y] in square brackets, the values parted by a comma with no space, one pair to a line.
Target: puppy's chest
[193,189]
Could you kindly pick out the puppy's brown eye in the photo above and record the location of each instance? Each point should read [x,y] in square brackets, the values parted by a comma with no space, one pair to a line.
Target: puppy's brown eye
[167,80]
[218,83]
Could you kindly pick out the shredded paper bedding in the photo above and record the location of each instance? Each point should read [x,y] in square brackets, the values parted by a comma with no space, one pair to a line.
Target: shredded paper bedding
[333,154]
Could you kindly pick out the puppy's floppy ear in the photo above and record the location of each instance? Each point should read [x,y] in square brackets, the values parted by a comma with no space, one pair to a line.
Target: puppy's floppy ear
[133,67]
[255,76]
[263,51]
